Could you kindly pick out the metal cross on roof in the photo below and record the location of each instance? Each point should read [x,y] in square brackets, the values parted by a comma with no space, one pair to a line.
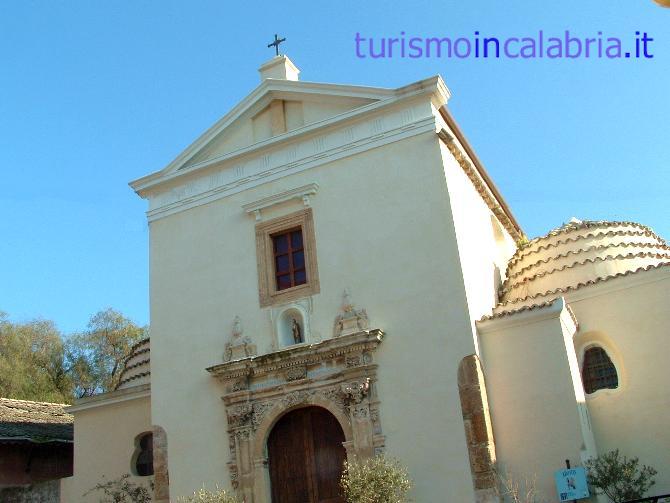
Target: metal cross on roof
[276,43]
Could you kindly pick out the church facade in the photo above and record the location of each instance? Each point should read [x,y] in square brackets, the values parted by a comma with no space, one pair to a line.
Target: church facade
[333,275]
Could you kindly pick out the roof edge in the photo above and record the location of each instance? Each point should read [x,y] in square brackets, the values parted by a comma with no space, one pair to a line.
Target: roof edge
[479,166]
[383,96]
[111,397]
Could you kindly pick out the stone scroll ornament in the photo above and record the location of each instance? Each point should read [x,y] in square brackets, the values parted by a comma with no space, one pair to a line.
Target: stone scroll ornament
[350,320]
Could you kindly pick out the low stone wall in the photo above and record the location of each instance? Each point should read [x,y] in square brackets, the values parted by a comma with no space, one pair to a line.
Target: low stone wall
[41,492]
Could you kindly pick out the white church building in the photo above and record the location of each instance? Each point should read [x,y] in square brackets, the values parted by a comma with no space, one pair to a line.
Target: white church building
[333,275]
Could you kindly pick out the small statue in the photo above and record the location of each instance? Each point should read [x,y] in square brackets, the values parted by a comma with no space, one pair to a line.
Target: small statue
[347,303]
[297,333]
[237,328]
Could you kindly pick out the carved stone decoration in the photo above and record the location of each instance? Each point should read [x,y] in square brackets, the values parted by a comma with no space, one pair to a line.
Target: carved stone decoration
[238,347]
[295,373]
[355,391]
[240,414]
[350,320]
[337,374]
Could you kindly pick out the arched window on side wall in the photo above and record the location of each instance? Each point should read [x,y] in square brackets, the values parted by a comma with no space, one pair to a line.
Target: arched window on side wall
[143,458]
[598,371]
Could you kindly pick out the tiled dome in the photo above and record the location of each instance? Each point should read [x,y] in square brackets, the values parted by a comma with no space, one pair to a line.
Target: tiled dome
[136,369]
[580,253]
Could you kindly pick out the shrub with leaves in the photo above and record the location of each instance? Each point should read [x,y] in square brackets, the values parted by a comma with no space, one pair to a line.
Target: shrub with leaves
[122,490]
[619,478]
[205,496]
[375,480]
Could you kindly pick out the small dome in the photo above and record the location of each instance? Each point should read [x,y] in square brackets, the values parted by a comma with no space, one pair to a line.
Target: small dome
[136,369]
[579,253]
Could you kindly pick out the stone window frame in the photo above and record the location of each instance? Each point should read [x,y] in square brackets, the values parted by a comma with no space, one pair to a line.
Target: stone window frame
[267,288]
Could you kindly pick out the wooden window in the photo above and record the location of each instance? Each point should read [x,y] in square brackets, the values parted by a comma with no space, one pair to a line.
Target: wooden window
[289,259]
[286,255]
[598,371]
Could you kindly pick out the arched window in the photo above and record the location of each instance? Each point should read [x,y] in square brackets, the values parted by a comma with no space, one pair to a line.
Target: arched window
[598,371]
[143,459]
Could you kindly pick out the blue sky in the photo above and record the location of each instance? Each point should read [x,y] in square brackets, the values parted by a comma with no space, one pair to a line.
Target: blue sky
[95,94]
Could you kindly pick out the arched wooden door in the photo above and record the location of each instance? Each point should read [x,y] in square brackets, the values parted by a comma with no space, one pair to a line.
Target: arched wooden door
[306,455]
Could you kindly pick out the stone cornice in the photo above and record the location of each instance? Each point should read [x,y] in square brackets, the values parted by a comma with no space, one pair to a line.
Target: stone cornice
[118,396]
[304,192]
[523,316]
[235,173]
[299,355]
[485,191]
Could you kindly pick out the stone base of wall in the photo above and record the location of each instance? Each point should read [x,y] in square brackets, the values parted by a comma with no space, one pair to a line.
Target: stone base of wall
[41,492]
[161,474]
[478,429]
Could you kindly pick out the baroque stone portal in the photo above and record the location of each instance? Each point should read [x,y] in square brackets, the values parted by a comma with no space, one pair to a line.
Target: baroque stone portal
[337,374]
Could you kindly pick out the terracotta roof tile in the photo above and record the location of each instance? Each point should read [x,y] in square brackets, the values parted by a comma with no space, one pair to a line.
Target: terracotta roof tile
[558,291]
[23,420]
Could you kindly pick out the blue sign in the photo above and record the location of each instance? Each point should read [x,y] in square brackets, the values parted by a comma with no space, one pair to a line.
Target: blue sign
[571,484]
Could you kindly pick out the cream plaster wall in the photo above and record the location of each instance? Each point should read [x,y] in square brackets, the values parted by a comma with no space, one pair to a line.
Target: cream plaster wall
[535,396]
[104,445]
[238,135]
[479,250]
[254,125]
[326,108]
[383,229]
[629,317]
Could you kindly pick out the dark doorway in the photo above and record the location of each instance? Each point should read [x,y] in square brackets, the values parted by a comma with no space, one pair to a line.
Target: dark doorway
[306,455]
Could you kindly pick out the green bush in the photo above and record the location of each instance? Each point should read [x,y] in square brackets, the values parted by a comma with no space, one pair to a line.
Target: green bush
[375,480]
[619,478]
[205,496]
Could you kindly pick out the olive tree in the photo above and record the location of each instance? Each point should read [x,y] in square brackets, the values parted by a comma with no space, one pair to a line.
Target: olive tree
[375,480]
[619,478]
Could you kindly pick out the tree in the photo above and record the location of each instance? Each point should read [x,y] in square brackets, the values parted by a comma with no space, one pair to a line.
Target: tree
[619,478]
[31,362]
[375,480]
[95,357]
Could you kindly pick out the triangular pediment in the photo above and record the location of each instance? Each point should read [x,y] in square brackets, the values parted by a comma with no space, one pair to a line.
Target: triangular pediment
[275,108]
[281,111]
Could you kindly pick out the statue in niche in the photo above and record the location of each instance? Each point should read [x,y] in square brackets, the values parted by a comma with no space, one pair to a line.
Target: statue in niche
[297,332]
